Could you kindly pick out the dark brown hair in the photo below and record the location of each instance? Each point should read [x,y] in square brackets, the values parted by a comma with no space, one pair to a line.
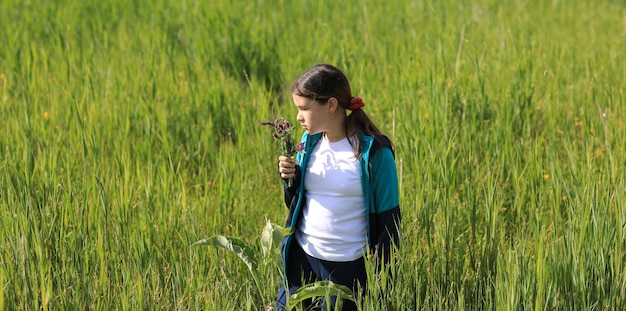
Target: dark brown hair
[322,82]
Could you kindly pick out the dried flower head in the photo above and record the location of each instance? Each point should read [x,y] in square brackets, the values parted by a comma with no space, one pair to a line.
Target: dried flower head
[300,147]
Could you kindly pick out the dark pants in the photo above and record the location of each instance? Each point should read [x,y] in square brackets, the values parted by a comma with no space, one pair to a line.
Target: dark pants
[304,268]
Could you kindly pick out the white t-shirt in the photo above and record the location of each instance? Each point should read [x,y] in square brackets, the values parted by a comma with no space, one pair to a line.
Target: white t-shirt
[334,225]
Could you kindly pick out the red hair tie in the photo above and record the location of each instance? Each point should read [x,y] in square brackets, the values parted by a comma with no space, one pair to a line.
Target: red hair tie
[355,103]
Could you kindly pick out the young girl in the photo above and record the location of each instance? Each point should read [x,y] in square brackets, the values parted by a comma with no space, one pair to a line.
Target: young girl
[343,201]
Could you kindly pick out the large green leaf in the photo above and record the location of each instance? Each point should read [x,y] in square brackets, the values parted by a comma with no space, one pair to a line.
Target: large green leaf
[271,237]
[321,289]
[237,246]
[266,239]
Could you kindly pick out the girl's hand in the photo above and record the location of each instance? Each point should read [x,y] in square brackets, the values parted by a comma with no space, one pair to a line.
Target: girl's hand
[286,167]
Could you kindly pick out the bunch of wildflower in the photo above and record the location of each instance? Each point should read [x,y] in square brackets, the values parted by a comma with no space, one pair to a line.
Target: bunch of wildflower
[283,134]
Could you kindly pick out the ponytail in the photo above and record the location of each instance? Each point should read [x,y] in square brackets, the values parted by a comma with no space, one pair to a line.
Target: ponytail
[358,121]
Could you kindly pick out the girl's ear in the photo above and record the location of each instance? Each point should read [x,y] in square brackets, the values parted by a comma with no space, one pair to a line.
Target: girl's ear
[333,104]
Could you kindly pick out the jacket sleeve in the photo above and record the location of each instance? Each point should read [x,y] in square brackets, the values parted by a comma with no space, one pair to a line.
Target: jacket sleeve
[385,219]
[290,192]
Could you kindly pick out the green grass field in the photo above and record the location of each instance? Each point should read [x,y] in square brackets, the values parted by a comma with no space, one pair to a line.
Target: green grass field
[128,131]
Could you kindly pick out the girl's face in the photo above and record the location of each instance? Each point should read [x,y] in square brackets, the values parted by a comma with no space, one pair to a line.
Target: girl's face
[313,116]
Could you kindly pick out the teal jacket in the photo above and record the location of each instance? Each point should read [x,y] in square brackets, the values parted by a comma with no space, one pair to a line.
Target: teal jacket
[379,179]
